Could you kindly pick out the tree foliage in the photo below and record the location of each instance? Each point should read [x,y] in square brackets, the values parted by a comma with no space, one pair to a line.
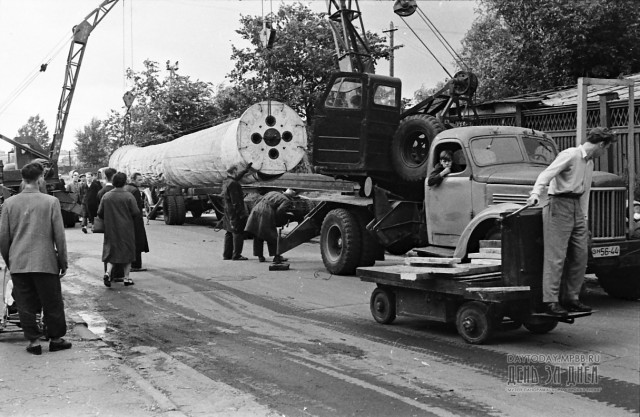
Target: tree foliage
[164,108]
[92,144]
[36,128]
[517,46]
[297,68]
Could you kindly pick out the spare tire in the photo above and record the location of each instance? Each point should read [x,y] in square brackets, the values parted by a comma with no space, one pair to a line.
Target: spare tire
[410,146]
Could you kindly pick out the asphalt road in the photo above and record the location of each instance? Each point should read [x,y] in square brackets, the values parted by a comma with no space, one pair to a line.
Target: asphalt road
[303,342]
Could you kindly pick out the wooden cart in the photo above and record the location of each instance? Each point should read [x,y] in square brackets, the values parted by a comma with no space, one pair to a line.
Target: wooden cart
[479,299]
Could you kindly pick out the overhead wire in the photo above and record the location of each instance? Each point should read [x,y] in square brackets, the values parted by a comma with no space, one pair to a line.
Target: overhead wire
[426,47]
[32,75]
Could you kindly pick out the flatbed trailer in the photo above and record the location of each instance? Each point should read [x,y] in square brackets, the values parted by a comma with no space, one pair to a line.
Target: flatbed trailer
[478,299]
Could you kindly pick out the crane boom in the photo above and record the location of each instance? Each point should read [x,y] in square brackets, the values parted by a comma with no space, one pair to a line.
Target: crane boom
[352,46]
[81,34]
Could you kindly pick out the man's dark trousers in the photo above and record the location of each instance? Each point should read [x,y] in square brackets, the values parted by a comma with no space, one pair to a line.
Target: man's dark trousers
[233,243]
[36,290]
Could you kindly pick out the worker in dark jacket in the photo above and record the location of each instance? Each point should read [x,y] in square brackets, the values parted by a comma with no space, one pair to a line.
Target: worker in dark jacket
[142,244]
[265,217]
[235,213]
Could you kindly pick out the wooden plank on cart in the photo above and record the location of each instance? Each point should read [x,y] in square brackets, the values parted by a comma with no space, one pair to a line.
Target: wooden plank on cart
[412,273]
[486,261]
[428,261]
[485,256]
[498,294]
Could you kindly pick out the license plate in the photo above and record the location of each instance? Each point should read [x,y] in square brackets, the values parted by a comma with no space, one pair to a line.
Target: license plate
[605,251]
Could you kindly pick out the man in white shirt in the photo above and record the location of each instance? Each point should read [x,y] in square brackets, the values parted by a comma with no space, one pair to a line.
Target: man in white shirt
[566,232]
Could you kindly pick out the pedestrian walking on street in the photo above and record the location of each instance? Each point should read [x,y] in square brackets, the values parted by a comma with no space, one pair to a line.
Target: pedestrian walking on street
[564,217]
[142,244]
[266,216]
[34,248]
[90,200]
[235,213]
[117,209]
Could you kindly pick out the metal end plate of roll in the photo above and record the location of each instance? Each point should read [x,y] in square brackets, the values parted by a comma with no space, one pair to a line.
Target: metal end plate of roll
[270,135]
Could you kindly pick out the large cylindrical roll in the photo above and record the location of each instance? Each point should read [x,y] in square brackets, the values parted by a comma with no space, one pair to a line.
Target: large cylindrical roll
[270,135]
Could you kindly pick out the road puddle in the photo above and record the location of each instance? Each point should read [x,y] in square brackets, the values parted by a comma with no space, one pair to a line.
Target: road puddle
[95,322]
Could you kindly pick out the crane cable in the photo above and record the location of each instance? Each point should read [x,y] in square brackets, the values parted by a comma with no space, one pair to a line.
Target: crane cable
[456,57]
[425,45]
[442,39]
[54,52]
[267,51]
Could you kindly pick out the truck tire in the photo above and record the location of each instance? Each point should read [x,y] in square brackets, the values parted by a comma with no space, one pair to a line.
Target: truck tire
[174,209]
[410,146]
[370,247]
[620,283]
[340,242]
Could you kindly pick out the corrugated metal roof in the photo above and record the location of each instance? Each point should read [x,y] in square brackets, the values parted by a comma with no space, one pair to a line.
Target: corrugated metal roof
[570,95]
[567,95]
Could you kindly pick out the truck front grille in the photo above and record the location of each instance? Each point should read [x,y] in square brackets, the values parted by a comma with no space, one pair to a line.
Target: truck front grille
[498,198]
[607,210]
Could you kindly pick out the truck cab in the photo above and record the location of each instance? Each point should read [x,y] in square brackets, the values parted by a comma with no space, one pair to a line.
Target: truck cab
[497,166]
[354,126]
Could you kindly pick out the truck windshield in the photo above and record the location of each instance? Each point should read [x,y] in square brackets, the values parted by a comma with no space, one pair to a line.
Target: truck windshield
[345,93]
[496,150]
[539,150]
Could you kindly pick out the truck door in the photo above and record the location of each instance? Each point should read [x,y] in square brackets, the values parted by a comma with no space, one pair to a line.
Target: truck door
[338,123]
[448,205]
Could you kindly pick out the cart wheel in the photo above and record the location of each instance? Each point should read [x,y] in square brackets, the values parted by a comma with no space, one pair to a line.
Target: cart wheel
[383,306]
[541,327]
[474,322]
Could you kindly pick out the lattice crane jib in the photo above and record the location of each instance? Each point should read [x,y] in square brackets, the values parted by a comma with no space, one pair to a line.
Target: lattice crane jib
[81,34]
[352,46]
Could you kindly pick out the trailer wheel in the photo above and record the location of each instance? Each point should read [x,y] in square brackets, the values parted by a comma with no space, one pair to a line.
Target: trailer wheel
[540,327]
[620,283]
[475,322]
[410,146]
[383,306]
[340,242]
[174,209]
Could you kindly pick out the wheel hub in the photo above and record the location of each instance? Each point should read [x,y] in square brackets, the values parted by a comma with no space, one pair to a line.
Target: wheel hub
[469,324]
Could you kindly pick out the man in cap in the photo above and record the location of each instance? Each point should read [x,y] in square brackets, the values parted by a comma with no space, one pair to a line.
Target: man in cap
[235,213]
[564,217]
[34,248]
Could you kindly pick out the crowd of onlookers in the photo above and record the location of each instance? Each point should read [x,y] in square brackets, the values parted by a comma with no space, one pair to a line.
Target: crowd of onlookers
[120,214]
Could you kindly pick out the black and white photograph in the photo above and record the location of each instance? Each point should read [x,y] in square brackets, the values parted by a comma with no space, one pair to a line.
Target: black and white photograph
[319,208]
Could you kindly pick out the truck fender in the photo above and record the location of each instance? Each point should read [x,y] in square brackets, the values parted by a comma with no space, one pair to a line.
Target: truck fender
[490,213]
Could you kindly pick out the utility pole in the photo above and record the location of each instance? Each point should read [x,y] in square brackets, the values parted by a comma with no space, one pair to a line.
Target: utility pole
[392,48]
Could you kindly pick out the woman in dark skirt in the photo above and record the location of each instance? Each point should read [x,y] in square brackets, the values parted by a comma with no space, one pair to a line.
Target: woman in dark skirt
[118,209]
[142,244]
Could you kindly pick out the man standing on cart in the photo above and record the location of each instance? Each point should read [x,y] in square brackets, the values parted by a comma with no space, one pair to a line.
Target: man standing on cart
[564,217]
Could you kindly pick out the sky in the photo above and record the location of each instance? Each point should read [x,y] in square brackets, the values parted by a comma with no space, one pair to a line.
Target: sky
[196,33]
